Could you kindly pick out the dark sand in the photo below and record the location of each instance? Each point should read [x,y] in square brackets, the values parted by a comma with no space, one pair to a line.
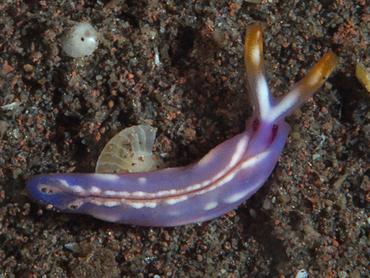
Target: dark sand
[57,113]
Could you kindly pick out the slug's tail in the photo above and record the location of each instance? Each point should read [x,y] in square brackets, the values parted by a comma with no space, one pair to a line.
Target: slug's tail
[265,107]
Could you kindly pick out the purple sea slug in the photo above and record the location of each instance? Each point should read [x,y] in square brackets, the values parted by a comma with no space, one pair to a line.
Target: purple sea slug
[224,178]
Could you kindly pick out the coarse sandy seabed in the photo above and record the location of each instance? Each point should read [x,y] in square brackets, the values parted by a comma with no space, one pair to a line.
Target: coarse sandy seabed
[56,114]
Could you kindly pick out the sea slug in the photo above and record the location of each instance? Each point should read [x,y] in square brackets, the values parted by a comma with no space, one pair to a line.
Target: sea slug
[219,182]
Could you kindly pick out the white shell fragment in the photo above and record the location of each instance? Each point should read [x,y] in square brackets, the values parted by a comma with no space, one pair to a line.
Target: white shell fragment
[130,151]
[81,40]
[302,273]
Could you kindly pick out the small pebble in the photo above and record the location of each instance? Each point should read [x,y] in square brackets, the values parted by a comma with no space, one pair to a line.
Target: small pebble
[3,127]
[252,213]
[110,104]
[72,246]
[28,68]
[266,204]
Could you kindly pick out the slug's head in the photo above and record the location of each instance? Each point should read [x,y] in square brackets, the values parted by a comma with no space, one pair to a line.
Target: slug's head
[266,135]
[266,108]
[51,190]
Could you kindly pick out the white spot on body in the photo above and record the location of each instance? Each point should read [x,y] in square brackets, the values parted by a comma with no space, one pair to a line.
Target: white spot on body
[206,182]
[77,189]
[235,197]
[211,205]
[173,201]
[142,180]
[238,196]
[111,203]
[139,194]
[150,204]
[199,185]
[64,183]
[256,56]
[95,190]
[110,193]
[107,177]
[229,177]
[254,160]
[221,182]
[239,151]
[137,205]
[165,193]
[236,157]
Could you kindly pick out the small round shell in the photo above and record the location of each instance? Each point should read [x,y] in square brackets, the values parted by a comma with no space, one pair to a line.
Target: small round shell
[129,151]
[82,40]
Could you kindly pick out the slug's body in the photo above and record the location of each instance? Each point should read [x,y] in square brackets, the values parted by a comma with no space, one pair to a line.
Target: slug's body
[228,175]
